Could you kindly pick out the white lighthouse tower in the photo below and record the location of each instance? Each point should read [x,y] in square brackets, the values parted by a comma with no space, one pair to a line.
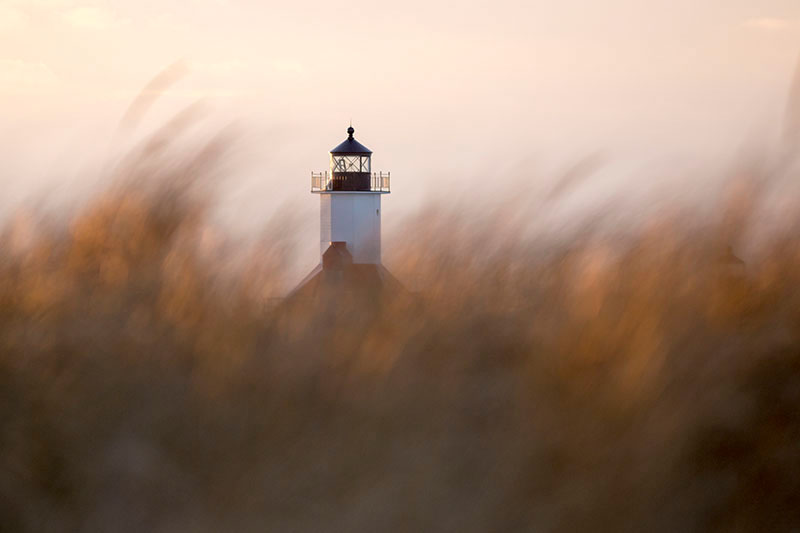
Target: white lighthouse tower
[350,201]
[350,223]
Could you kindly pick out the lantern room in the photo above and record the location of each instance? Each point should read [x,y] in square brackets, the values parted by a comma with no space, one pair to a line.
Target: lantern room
[350,165]
[350,170]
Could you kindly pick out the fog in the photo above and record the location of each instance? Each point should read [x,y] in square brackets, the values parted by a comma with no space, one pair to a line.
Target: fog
[448,98]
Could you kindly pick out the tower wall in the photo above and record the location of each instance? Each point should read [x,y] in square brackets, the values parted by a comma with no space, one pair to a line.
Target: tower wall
[355,218]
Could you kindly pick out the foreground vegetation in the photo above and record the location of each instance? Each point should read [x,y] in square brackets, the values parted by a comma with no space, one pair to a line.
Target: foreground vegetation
[605,383]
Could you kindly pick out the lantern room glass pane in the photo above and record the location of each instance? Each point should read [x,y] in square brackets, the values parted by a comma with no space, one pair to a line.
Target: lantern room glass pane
[350,163]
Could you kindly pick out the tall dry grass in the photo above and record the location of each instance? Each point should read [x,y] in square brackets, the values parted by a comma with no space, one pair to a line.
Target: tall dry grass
[604,383]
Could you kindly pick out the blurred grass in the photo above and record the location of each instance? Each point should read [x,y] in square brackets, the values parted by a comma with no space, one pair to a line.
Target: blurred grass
[607,383]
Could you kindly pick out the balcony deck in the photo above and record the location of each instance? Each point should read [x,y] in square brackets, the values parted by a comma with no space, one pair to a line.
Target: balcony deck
[351,182]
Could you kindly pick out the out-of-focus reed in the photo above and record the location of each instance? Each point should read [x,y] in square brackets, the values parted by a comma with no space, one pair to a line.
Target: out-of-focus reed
[645,382]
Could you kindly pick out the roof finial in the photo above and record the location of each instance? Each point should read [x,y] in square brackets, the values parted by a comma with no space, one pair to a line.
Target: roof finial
[350,131]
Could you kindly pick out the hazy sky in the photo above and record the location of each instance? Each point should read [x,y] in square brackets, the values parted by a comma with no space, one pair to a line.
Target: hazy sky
[445,93]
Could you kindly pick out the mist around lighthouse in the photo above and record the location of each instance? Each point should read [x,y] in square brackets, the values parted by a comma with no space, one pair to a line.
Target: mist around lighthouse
[399,267]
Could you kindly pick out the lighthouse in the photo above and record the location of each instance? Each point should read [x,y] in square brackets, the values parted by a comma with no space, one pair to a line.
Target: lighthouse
[349,223]
[350,201]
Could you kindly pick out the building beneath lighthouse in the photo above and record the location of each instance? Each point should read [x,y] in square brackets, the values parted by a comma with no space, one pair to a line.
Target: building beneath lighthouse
[350,224]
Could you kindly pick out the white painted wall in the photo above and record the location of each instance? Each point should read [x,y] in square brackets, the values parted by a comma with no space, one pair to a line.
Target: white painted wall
[355,218]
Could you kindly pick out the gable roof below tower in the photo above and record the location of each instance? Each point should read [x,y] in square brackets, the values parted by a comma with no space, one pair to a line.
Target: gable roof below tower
[337,275]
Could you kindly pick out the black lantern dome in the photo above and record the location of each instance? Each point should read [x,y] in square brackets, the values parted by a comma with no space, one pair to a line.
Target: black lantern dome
[350,146]
[350,165]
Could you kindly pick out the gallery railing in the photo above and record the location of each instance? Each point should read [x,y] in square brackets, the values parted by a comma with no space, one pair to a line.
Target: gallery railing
[377,182]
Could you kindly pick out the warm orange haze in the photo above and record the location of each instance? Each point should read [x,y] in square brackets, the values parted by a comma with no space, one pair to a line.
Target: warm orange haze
[577,310]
